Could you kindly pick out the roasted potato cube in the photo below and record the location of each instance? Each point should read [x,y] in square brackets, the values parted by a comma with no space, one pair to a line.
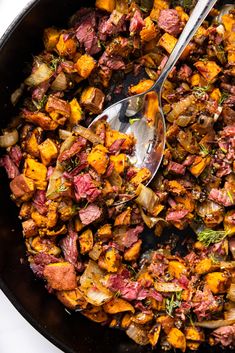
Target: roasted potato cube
[31,145]
[142,175]
[86,241]
[199,165]
[95,314]
[141,87]
[193,333]
[50,38]
[85,65]
[41,119]
[154,335]
[29,228]
[48,151]
[229,22]
[25,210]
[216,94]
[36,171]
[60,276]
[218,282]
[149,31]
[72,299]
[133,252]
[177,339]
[41,245]
[22,187]
[58,107]
[177,269]
[208,69]
[119,162]
[112,135]
[167,323]
[168,42]
[123,218]
[151,108]
[66,46]
[204,266]
[107,5]
[126,321]
[76,112]
[110,261]
[41,221]
[92,99]
[117,305]
[98,159]
[198,80]
[105,232]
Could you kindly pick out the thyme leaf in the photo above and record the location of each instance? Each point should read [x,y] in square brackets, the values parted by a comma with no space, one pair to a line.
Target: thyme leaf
[199,91]
[223,97]
[40,104]
[210,236]
[173,303]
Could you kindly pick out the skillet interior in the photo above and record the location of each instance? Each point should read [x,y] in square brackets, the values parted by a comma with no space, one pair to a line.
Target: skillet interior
[71,333]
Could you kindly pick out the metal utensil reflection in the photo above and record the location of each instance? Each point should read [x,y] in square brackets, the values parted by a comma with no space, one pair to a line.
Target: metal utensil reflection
[150,140]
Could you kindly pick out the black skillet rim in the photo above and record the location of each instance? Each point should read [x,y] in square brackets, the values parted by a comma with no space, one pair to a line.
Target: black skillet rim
[35,324]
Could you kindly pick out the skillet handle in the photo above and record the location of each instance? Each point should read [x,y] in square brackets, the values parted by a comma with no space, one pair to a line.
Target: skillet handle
[198,15]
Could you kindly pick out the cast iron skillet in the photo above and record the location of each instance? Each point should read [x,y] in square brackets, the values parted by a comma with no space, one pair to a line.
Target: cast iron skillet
[71,333]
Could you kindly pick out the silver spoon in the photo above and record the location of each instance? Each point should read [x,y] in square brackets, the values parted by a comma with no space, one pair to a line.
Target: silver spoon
[150,141]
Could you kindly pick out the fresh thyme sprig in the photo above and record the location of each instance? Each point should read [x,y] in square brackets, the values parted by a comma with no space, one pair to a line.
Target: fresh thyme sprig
[200,92]
[173,303]
[210,236]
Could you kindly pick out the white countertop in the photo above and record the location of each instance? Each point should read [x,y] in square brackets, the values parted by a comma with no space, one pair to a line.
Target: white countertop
[15,331]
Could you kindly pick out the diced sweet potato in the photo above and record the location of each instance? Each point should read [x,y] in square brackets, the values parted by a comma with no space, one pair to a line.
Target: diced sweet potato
[66,46]
[59,107]
[22,187]
[141,87]
[123,218]
[208,69]
[40,220]
[95,314]
[112,135]
[177,339]
[117,305]
[76,112]
[204,266]
[25,210]
[29,228]
[119,162]
[151,108]
[98,159]
[92,99]
[105,232]
[85,65]
[198,80]
[158,5]
[168,42]
[193,333]
[176,269]
[40,245]
[141,176]
[50,38]
[216,94]
[217,282]
[167,323]
[31,145]
[48,151]
[110,261]
[41,119]
[182,14]
[107,5]
[228,21]
[72,299]
[149,31]
[199,165]
[142,318]
[126,321]
[60,276]
[154,335]
[86,241]
[133,252]
[36,171]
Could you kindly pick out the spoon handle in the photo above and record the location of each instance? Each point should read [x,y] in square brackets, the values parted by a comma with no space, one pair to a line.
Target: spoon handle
[199,13]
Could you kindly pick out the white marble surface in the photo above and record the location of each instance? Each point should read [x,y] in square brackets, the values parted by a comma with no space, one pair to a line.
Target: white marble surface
[16,334]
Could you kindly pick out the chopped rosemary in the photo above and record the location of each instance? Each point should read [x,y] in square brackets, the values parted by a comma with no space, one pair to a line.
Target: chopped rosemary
[54,63]
[62,188]
[210,236]
[132,121]
[73,163]
[173,303]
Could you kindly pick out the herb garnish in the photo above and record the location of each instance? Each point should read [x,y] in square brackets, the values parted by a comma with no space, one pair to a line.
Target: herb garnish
[210,236]
[223,97]
[199,92]
[40,104]
[73,163]
[204,150]
[173,303]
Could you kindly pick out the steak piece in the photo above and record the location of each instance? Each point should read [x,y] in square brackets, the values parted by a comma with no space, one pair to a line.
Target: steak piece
[90,214]
[169,21]
[10,167]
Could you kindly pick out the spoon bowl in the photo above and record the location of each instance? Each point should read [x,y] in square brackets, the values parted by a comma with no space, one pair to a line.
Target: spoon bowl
[129,115]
